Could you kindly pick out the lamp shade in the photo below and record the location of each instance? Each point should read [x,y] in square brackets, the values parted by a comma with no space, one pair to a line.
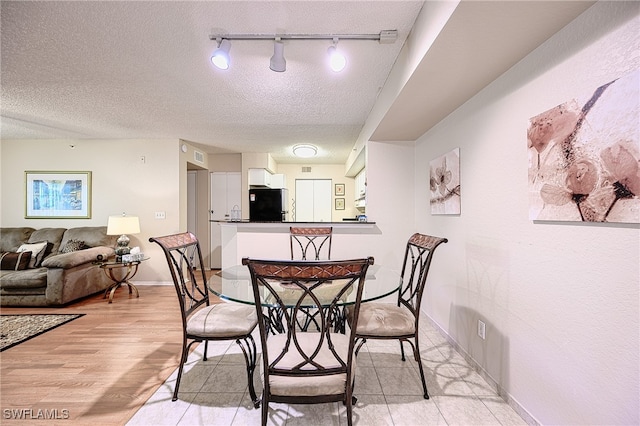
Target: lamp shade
[120,225]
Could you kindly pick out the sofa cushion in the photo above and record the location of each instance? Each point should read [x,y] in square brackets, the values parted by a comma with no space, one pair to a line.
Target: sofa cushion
[53,236]
[27,279]
[93,236]
[12,238]
[37,252]
[10,261]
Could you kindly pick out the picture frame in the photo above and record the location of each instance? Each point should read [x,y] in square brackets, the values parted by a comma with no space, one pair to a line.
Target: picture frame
[57,194]
[339,189]
[339,203]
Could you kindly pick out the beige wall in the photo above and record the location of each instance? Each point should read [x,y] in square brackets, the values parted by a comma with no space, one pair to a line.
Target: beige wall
[120,183]
[335,172]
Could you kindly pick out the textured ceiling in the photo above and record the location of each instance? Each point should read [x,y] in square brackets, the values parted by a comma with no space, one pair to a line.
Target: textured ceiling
[135,69]
[141,70]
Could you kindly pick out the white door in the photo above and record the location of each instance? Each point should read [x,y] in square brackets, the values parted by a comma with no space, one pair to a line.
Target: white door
[313,200]
[225,195]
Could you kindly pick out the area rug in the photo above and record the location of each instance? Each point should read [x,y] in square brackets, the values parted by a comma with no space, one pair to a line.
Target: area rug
[15,329]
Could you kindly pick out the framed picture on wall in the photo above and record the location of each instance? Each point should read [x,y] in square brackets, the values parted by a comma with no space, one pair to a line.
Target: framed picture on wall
[339,203]
[339,189]
[56,195]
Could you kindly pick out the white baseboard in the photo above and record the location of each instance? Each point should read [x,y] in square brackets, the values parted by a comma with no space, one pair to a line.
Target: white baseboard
[513,403]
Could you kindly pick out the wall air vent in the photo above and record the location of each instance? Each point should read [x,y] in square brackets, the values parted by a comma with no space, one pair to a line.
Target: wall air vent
[198,156]
[306,169]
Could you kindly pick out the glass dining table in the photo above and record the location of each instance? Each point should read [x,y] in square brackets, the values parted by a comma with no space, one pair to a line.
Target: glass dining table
[234,284]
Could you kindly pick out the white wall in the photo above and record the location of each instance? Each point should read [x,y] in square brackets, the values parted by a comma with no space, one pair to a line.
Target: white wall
[120,183]
[561,300]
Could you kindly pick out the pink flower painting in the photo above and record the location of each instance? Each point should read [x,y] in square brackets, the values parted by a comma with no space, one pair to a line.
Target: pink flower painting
[444,182]
[584,157]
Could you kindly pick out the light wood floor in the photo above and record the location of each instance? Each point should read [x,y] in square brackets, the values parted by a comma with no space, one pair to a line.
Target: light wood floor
[101,367]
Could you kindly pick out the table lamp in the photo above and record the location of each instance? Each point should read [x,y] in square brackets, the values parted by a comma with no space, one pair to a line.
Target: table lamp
[122,225]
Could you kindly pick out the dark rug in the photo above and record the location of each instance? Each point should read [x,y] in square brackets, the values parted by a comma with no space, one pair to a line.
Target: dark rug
[15,329]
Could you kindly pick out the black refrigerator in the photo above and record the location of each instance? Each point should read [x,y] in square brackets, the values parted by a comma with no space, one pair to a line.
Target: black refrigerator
[268,205]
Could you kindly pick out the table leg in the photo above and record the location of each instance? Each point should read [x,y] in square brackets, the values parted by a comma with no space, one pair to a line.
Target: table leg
[118,281]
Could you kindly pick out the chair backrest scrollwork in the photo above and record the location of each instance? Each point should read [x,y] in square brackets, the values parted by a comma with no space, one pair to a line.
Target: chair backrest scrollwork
[310,243]
[184,257]
[415,268]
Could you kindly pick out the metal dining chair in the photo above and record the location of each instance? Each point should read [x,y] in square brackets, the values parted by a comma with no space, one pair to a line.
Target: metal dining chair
[201,321]
[400,320]
[310,243]
[304,367]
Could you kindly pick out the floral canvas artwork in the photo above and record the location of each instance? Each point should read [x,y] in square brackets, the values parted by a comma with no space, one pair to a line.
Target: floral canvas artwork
[584,157]
[444,182]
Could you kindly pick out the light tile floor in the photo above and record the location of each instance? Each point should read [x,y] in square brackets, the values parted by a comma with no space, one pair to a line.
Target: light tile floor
[389,391]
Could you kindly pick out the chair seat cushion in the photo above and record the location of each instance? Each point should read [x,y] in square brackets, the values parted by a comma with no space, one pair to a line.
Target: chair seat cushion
[308,385]
[385,319]
[223,320]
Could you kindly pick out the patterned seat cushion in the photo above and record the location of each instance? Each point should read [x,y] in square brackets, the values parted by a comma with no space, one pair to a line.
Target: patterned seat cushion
[385,319]
[223,320]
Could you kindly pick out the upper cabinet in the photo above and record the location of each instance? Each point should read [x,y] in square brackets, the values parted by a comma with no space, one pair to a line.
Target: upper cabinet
[278,181]
[259,177]
[361,190]
[263,178]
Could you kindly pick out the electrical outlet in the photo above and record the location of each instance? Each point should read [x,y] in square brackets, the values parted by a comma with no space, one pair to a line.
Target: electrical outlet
[481,329]
[161,215]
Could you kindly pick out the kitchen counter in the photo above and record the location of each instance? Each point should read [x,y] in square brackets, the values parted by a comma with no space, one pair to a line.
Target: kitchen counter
[345,227]
[270,240]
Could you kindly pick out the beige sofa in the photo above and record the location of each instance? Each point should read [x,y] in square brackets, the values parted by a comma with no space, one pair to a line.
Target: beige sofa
[62,272]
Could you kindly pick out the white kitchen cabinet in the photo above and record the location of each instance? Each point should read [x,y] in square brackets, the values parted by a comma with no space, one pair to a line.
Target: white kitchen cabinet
[226,195]
[278,181]
[361,190]
[259,177]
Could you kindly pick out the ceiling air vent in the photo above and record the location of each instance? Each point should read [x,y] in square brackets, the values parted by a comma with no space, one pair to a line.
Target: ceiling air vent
[198,156]
[306,169]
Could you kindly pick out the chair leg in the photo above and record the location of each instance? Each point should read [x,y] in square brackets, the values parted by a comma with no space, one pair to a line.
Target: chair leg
[349,403]
[183,360]
[359,342]
[416,352]
[402,350]
[206,347]
[265,411]
[250,356]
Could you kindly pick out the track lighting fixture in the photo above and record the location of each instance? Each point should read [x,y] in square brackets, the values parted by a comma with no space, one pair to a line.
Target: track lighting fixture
[220,57]
[277,63]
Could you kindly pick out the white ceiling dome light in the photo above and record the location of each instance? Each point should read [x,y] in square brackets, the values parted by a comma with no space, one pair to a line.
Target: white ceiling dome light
[305,151]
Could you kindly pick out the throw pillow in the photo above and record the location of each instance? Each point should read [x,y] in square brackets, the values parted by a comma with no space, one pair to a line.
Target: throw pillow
[14,261]
[37,252]
[73,245]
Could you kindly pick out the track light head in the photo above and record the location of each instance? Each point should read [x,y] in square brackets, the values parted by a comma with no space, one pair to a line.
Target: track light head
[220,57]
[278,63]
[337,61]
